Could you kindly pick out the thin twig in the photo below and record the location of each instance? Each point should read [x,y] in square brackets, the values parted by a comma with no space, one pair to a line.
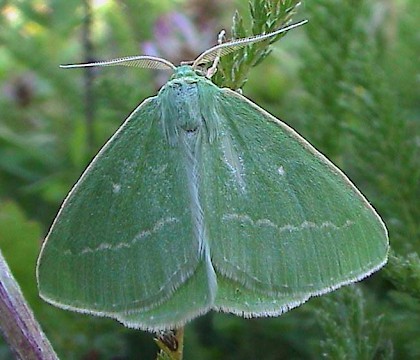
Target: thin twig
[171,344]
[18,323]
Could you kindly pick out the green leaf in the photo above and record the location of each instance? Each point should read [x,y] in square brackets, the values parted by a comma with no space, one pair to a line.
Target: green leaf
[351,333]
[404,272]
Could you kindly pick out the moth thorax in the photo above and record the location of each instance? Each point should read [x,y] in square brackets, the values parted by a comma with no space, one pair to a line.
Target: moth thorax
[180,109]
[186,98]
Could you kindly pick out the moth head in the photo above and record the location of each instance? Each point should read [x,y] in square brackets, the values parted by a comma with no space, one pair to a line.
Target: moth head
[185,70]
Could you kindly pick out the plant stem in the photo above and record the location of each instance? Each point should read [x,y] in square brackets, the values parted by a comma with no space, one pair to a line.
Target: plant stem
[18,323]
[171,344]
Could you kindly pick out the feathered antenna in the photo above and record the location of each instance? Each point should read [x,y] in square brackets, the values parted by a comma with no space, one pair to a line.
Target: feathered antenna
[210,55]
[142,61]
[223,49]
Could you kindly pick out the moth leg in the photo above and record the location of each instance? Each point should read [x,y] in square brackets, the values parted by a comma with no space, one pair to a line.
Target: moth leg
[213,69]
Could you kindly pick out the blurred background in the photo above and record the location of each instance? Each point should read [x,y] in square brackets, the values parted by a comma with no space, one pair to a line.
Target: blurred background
[348,82]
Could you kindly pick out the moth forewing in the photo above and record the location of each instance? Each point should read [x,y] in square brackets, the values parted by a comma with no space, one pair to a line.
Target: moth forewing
[291,205]
[86,262]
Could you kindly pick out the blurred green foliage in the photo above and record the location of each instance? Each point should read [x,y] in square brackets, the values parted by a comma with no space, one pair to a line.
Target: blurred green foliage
[348,82]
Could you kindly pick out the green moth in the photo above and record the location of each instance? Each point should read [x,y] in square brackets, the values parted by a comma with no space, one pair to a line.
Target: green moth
[204,201]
